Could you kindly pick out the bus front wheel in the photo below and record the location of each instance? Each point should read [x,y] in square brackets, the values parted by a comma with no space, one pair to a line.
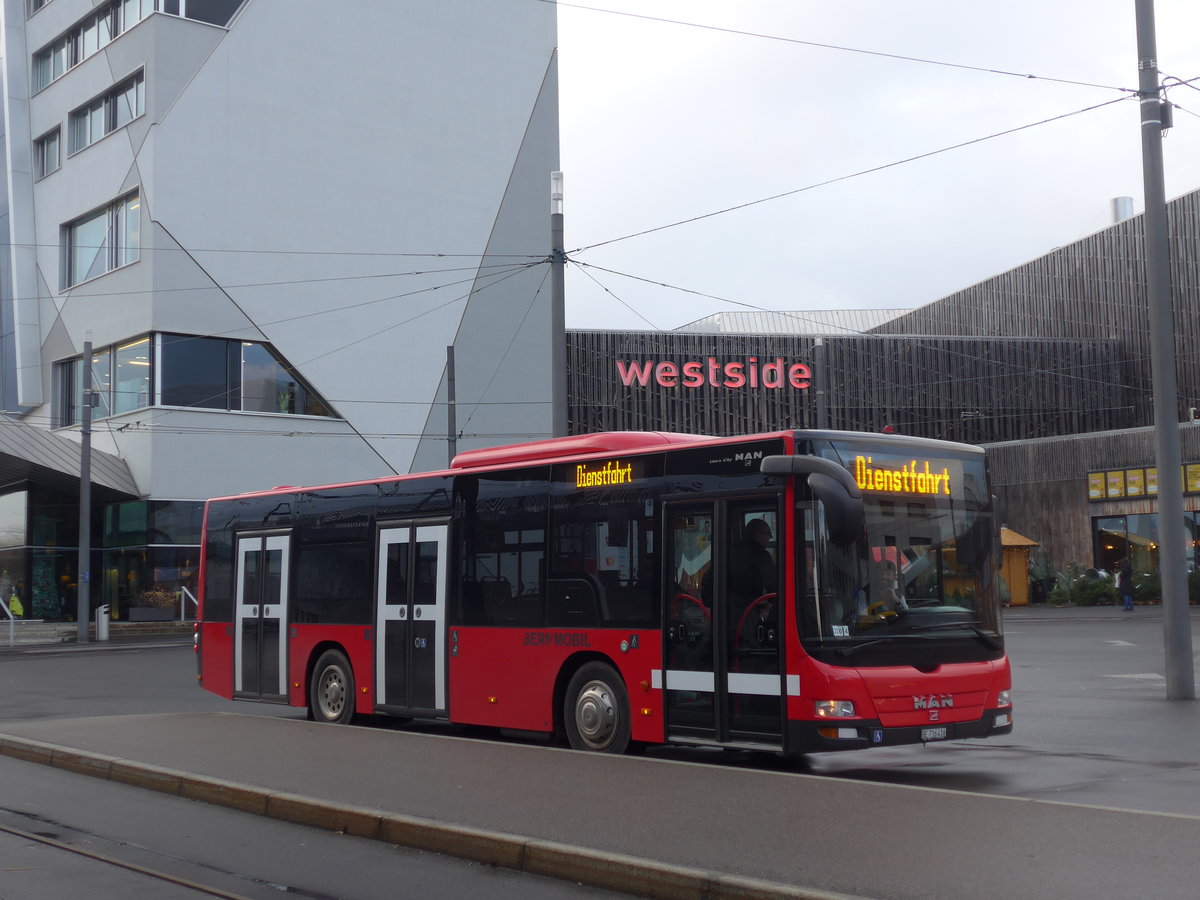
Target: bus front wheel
[331,690]
[596,710]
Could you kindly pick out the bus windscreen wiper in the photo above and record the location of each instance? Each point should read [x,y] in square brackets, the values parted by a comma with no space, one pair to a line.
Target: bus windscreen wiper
[853,648]
[974,626]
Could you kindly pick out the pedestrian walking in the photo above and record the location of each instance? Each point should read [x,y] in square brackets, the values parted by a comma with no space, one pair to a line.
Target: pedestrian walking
[1125,585]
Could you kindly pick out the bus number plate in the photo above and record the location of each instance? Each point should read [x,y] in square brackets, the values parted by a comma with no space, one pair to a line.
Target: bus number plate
[933,734]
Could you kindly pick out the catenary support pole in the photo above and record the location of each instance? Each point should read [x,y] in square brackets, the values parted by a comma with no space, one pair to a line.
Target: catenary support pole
[558,314]
[83,611]
[1177,630]
[451,412]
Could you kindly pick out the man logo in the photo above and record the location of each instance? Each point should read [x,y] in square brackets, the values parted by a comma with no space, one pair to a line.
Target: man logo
[934,701]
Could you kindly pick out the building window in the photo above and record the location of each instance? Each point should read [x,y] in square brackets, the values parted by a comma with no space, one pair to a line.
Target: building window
[197,371]
[107,113]
[111,20]
[131,376]
[102,241]
[35,5]
[270,385]
[188,371]
[47,153]
[102,382]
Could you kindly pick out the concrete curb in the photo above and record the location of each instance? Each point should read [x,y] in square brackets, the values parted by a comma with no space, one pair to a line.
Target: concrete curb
[610,871]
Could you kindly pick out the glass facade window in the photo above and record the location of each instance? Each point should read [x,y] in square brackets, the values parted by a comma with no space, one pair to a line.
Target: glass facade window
[105,114]
[131,370]
[188,371]
[270,385]
[102,382]
[197,371]
[47,153]
[126,524]
[102,241]
[66,393]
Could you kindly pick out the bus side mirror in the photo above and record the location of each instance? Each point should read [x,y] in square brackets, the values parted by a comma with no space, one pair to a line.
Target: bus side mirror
[845,514]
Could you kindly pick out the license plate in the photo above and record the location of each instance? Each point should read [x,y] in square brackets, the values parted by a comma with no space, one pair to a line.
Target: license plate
[933,734]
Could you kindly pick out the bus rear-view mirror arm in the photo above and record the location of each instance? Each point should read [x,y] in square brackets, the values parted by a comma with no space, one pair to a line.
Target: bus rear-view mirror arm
[833,486]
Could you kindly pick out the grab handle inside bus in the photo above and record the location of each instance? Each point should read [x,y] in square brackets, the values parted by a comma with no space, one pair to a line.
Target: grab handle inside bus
[833,486]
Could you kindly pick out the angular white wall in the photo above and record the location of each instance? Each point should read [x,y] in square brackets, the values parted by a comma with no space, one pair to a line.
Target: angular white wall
[359,185]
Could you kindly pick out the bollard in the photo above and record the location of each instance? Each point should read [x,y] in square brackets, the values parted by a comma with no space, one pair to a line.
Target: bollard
[102,622]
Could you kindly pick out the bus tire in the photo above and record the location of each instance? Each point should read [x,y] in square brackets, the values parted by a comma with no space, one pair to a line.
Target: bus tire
[596,710]
[331,689]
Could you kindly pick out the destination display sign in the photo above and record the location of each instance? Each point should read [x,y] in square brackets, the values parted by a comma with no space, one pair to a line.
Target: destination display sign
[912,477]
[603,474]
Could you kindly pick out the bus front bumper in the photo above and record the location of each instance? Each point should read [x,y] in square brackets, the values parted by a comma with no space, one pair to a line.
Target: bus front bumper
[857,734]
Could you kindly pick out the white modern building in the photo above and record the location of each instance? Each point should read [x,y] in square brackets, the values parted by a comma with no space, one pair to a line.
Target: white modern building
[271,219]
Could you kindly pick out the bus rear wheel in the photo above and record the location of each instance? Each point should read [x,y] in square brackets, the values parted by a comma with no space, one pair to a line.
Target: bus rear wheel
[331,690]
[596,710]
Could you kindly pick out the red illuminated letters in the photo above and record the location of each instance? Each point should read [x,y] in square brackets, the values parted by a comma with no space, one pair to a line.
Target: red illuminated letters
[773,374]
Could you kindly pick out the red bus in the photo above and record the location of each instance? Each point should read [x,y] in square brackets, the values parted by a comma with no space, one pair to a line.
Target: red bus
[795,592]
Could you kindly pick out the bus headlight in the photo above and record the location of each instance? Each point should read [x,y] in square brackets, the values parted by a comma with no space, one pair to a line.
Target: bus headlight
[1005,699]
[834,709]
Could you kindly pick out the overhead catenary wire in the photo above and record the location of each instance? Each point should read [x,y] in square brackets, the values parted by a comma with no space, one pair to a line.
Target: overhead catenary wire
[900,57]
[851,175]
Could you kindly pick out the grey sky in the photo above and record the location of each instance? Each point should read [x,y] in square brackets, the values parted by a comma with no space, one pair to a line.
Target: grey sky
[663,122]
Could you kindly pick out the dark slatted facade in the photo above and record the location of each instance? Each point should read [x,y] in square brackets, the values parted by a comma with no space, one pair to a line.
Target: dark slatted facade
[1092,289]
[977,390]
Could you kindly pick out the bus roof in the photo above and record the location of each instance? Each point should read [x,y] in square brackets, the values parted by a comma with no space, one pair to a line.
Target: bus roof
[582,445]
[574,445]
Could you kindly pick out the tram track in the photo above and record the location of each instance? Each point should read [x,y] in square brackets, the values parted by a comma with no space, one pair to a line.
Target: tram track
[45,840]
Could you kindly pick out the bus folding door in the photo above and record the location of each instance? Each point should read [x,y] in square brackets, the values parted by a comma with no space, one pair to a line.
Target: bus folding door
[260,617]
[410,604]
[723,657]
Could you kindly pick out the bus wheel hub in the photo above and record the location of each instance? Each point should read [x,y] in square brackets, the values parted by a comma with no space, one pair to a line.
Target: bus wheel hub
[596,714]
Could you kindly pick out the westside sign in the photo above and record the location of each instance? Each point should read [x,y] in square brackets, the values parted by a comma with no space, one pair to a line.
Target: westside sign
[773,374]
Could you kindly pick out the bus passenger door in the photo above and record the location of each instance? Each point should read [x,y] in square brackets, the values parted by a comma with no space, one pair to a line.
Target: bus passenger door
[722,672]
[410,646]
[751,585]
[260,652]
[689,677]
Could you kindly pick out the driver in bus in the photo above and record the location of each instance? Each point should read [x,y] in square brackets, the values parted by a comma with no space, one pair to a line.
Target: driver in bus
[878,599]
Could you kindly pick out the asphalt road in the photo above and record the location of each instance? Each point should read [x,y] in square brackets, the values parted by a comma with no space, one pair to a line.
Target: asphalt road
[126,843]
[1092,728]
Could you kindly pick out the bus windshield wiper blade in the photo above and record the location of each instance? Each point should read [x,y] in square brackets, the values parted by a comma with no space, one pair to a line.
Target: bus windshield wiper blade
[890,639]
[974,626]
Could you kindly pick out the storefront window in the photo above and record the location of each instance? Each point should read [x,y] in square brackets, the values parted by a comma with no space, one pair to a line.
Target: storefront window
[53,593]
[54,518]
[125,524]
[12,582]
[176,521]
[151,583]
[1135,537]
[13,518]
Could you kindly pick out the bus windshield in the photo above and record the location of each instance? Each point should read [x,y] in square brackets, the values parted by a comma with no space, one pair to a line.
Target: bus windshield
[924,573]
